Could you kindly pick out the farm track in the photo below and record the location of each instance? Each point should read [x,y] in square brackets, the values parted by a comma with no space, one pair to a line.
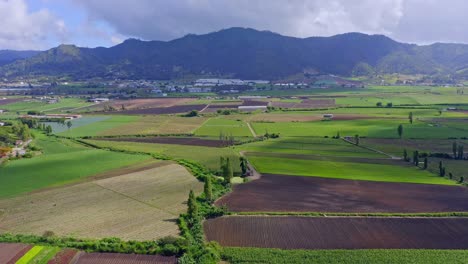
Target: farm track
[374,150]
[294,232]
[251,129]
[283,193]
[134,199]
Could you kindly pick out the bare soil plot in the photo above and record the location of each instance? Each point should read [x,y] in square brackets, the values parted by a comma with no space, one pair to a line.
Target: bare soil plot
[338,233]
[64,257]
[163,110]
[307,104]
[304,118]
[10,253]
[280,193]
[150,103]
[189,141]
[10,101]
[142,205]
[156,124]
[112,258]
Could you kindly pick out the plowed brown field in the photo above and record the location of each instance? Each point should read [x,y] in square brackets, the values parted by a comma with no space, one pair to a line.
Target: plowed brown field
[10,253]
[280,193]
[338,233]
[111,258]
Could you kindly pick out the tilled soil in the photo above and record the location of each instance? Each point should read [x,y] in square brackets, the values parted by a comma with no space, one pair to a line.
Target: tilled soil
[282,193]
[294,232]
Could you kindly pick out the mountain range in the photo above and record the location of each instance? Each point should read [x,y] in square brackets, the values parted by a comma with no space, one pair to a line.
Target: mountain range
[9,56]
[243,53]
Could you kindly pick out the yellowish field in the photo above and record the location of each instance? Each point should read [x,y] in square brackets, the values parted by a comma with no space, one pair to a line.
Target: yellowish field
[156,125]
[136,206]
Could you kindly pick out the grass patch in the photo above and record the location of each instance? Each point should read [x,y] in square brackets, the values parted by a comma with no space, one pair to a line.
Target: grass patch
[30,255]
[94,129]
[309,146]
[345,170]
[207,156]
[62,162]
[215,126]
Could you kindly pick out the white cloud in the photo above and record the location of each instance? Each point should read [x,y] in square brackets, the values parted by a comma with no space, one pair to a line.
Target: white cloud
[21,29]
[162,19]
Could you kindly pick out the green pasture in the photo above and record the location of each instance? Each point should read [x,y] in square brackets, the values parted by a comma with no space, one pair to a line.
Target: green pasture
[216,126]
[62,162]
[207,156]
[376,256]
[63,105]
[76,123]
[94,128]
[309,146]
[345,170]
[397,146]
[377,128]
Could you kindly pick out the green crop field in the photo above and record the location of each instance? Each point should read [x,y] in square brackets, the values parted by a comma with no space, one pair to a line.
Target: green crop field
[377,128]
[95,128]
[309,145]
[62,162]
[216,126]
[273,256]
[64,104]
[207,156]
[76,123]
[345,170]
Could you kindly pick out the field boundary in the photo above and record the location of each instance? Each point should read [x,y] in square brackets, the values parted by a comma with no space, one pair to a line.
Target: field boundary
[356,215]
[372,149]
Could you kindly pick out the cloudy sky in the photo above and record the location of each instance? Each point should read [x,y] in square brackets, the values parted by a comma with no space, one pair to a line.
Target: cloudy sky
[42,24]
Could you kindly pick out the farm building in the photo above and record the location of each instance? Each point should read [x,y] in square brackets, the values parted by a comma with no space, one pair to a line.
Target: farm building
[98,100]
[2,124]
[328,116]
[251,108]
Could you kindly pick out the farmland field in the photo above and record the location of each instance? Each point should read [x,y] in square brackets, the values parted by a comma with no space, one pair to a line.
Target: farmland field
[338,232]
[94,129]
[216,126]
[309,146]
[280,193]
[377,256]
[189,141]
[142,205]
[10,253]
[207,156]
[108,258]
[64,104]
[62,162]
[379,128]
[177,109]
[345,170]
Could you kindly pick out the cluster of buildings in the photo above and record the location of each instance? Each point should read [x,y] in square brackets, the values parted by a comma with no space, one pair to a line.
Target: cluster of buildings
[220,82]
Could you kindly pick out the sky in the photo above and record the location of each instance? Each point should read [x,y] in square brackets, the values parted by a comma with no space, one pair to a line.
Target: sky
[43,24]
